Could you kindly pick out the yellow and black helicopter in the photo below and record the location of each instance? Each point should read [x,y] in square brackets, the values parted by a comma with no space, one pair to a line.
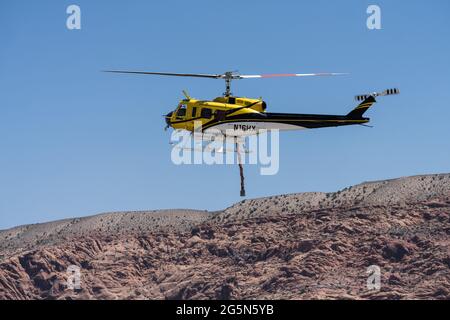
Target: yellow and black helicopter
[240,117]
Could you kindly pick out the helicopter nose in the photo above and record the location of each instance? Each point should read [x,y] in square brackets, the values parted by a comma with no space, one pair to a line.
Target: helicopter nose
[168,116]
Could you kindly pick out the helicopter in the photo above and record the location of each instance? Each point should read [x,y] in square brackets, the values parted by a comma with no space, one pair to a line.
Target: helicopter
[240,117]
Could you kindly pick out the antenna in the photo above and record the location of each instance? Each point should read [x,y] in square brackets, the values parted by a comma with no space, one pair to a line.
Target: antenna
[186,95]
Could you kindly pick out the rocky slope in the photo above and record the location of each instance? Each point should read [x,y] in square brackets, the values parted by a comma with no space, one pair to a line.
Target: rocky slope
[28,237]
[300,246]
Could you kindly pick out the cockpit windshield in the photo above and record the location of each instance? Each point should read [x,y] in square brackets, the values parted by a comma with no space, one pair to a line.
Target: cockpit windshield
[181,112]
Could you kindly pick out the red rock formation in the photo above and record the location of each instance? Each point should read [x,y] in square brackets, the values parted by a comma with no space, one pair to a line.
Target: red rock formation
[315,254]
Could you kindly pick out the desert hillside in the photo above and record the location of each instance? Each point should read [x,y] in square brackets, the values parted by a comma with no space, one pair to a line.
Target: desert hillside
[298,246]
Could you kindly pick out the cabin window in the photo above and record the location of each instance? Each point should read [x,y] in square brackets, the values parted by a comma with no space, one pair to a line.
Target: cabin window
[221,115]
[194,112]
[206,113]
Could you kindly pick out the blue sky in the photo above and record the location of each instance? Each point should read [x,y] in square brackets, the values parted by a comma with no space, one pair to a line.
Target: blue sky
[75,141]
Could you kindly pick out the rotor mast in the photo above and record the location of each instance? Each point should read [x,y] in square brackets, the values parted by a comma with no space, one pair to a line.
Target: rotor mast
[228,76]
[227,92]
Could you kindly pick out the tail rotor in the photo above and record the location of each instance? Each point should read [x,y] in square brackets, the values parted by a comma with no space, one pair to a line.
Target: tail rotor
[386,92]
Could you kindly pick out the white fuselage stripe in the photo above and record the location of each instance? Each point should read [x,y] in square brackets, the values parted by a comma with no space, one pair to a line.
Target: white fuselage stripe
[250,128]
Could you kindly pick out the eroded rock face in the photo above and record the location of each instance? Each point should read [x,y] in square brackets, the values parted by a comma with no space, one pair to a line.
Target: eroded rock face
[397,250]
[295,256]
[317,252]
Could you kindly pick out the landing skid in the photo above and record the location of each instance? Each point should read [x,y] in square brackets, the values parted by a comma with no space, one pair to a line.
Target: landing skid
[208,149]
[206,139]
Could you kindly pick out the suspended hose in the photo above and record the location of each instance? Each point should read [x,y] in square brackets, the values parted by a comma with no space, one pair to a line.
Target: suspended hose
[241,170]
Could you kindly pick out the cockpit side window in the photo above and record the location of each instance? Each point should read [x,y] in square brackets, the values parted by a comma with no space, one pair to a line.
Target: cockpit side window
[206,113]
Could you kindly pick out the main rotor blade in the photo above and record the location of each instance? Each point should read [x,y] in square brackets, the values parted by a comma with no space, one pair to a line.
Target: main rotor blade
[197,75]
[256,76]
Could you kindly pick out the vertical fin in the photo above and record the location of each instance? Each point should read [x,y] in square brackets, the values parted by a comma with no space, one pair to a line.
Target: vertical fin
[359,111]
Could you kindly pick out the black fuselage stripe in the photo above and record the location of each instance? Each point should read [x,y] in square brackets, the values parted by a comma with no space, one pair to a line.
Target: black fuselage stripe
[300,120]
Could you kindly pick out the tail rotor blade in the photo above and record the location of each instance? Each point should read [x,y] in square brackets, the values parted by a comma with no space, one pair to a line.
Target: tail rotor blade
[387,92]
